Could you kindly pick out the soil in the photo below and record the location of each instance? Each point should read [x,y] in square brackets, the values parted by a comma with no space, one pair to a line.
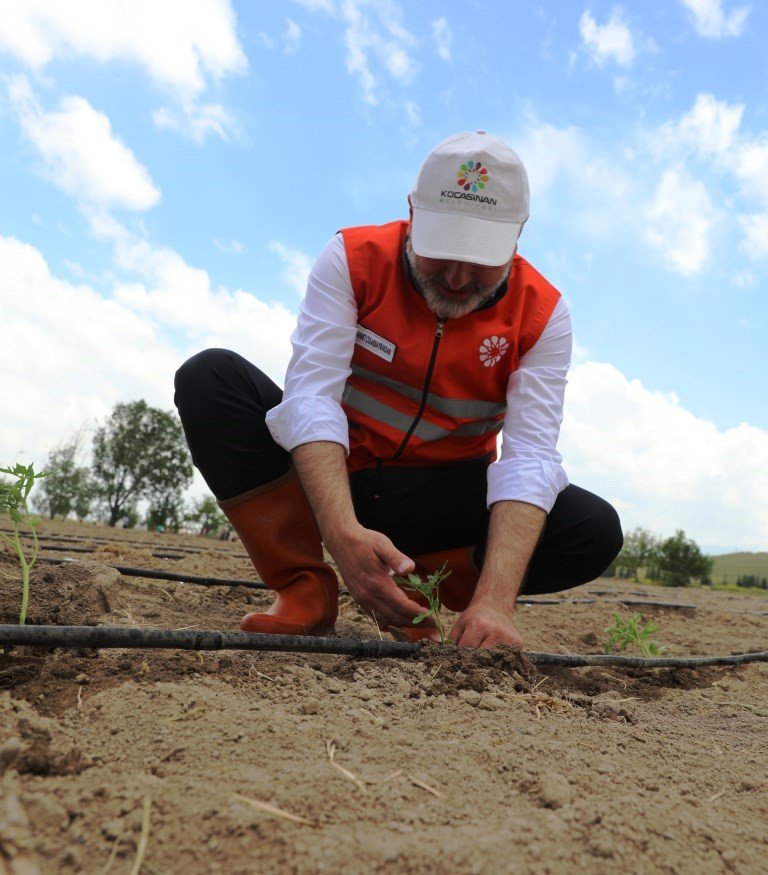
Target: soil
[451,761]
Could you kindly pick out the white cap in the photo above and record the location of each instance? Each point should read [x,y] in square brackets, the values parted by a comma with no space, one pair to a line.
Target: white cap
[470,201]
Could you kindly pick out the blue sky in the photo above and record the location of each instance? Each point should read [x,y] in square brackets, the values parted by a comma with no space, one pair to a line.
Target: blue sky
[169,170]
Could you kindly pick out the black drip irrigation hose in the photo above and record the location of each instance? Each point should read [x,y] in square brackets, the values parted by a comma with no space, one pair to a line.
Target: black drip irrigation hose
[638,602]
[224,581]
[177,576]
[127,542]
[195,639]
[575,660]
[57,548]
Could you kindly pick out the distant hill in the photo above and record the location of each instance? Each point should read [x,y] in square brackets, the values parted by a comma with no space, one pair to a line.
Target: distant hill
[730,566]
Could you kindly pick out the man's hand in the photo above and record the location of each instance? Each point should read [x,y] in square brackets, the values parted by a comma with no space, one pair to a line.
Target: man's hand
[483,625]
[367,560]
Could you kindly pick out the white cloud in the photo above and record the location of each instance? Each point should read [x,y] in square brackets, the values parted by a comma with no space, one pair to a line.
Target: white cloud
[710,20]
[179,44]
[71,352]
[317,5]
[575,180]
[412,113]
[679,222]
[745,279]
[197,121]
[710,133]
[297,266]
[292,37]
[750,164]
[441,33]
[663,467]
[229,247]
[182,47]
[80,153]
[373,37]
[755,227]
[709,129]
[612,41]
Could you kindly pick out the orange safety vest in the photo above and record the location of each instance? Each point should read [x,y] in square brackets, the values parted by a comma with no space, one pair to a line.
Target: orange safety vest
[424,391]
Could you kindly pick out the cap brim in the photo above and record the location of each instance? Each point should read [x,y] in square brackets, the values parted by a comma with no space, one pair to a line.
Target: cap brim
[463,238]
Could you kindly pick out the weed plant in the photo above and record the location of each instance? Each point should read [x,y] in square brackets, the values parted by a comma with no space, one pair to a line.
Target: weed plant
[430,589]
[13,501]
[628,633]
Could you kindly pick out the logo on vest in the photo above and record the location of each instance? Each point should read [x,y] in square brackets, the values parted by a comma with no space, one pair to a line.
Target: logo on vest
[375,343]
[492,350]
[472,176]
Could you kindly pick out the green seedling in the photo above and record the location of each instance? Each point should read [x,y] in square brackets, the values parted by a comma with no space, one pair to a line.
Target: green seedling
[13,501]
[430,589]
[628,633]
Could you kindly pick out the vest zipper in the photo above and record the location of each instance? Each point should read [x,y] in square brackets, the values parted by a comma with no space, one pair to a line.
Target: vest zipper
[425,391]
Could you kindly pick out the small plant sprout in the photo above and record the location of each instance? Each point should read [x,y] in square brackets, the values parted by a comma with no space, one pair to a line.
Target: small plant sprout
[628,633]
[429,588]
[13,501]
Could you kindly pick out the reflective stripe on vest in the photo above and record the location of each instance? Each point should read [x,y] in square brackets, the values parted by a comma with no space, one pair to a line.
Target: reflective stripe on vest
[425,431]
[461,408]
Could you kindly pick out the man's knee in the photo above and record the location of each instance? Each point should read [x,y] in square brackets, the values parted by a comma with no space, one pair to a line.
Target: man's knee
[586,539]
[196,371]
[609,538]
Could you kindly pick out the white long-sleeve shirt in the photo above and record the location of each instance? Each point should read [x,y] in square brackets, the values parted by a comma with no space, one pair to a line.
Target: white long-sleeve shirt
[529,468]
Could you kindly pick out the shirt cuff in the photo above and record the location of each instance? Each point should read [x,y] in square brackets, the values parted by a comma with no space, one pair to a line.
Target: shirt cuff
[304,419]
[534,481]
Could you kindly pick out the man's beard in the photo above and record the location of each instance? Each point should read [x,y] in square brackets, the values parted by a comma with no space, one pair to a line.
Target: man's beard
[434,289]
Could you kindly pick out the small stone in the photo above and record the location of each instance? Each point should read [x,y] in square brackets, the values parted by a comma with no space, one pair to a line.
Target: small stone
[333,686]
[489,703]
[601,845]
[113,828]
[310,708]
[554,790]
[82,679]
[365,695]
[471,697]
[9,752]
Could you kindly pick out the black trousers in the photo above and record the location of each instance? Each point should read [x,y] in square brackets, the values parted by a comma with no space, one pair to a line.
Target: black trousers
[223,399]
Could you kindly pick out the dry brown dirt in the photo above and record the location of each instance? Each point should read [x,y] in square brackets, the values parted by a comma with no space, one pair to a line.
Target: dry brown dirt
[449,762]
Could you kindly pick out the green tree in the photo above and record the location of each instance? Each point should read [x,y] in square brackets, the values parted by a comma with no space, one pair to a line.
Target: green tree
[166,510]
[139,453]
[207,513]
[639,549]
[68,486]
[679,560]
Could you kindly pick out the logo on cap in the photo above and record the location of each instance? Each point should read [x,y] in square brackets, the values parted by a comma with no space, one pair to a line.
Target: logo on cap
[472,176]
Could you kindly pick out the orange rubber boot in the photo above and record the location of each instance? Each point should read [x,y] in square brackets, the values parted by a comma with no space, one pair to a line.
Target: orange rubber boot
[277,528]
[457,589]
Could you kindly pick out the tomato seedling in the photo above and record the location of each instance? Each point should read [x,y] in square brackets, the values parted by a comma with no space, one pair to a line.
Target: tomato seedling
[628,633]
[13,500]
[430,589]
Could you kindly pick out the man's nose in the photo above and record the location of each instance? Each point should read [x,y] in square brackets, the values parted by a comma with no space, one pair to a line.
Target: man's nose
[457,275]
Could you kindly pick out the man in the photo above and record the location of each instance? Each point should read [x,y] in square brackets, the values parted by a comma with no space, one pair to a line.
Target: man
[416,344]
